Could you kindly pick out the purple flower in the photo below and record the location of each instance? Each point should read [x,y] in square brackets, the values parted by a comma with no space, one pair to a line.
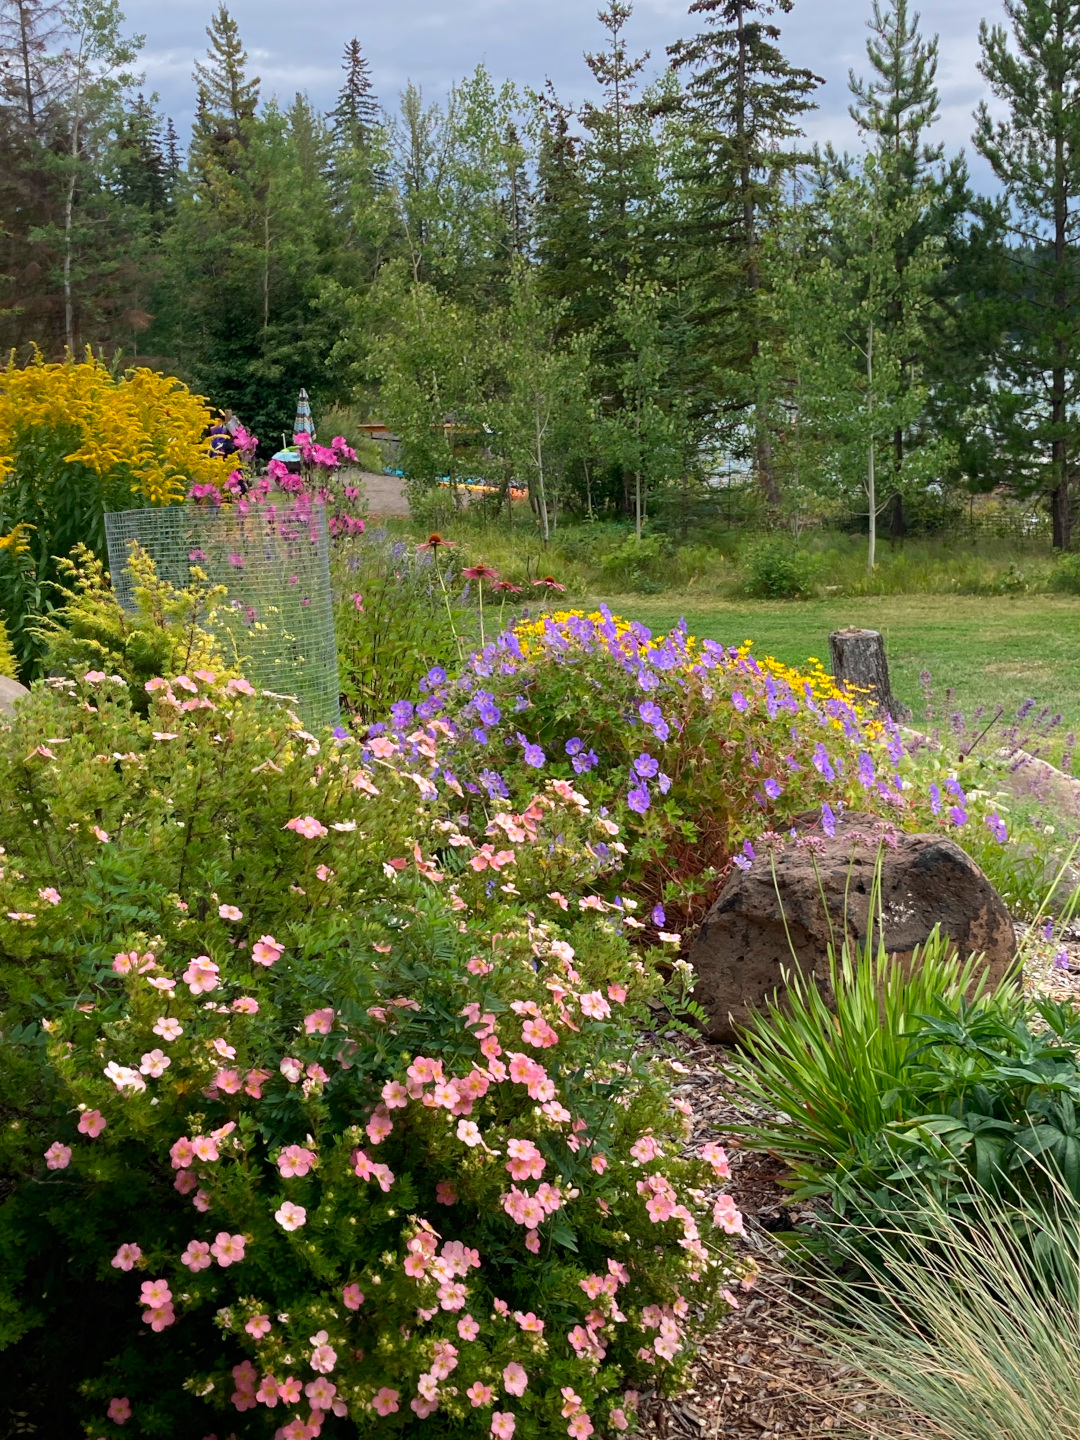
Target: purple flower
[434,677]
[196,555]
[1061,960]
[866,769]
[486,708]
[748,850]
[742,862]
[997,827]
[659,919]
[773,788]
[584,763]
[664,781]
[650,712]
[600,850]
[828,819]
[520,703]
[535,757]
[340,733]
[638,799]
[935,800]
[402,712]
[958,816]
[1048,930]
[427,709]
[494,784]
[646,766]
[237,560]
[822,763]
[738,699]
[480,736]
[574,746]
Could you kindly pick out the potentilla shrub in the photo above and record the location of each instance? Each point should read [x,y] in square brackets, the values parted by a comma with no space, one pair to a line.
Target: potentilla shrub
[324,1106]
[697,750]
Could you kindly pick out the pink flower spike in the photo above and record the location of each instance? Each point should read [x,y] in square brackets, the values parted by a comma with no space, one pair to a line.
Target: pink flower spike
[92,1123]
[126,1257]
[57,1156]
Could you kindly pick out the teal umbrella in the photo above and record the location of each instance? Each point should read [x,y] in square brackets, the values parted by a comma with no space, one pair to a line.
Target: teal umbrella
[303,422]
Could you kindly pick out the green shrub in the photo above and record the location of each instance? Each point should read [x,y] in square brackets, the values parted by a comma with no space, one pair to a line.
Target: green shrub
[7,654]
[638,565]
[234,962]
[1065,576]
[778,570]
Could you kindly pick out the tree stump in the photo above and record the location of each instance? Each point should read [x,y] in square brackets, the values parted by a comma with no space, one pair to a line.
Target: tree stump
[858,659]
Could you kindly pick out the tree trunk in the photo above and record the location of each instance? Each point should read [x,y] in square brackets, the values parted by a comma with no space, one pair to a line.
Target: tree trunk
[1061,515]
[858,660]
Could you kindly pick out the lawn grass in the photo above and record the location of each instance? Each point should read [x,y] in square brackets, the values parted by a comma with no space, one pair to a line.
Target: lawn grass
[990,649]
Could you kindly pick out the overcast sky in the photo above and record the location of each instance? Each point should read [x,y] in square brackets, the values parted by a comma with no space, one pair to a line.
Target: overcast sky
[297,44]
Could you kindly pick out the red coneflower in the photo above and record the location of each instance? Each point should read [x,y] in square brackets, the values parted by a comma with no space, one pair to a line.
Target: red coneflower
[480,572]
[434,542]
[507,587]
[549,583]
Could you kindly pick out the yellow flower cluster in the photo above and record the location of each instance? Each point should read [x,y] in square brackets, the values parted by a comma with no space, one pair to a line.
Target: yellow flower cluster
[142,430]
[814,674]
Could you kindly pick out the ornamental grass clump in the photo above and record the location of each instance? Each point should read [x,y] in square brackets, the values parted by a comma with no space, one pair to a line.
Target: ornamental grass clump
[324,1111]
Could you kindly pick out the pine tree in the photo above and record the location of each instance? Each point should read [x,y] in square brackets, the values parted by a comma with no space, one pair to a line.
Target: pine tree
[142,177]
[27,29]
[173,165]
[1035,154]
[356,114]
[742,108]
[226,100]
[620,130]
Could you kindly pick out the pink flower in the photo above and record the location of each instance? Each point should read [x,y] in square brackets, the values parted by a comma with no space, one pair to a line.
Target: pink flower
[319,1022]
[599,1163]
[386,1401]
[323,1357]
[619,1420]
[446,1192]
[645,1149]
[580,1427]
[321,1393]
[476,966]
[379,1127]
[571,1401]
[503,1424]
[228,1081]
[126,1257]
[159,1319]
[352,1297]
[228,1249]
[168,1028]
[245,1005]
[103,837]
[182,1153]
[239,686]
[479,1394]
[290,1216]
[155,1294]
[310,828]
[49,894]
[154,1064]
[295,1160]
[424,1070]
[595,1006]
[529,1323]
[266,950]
[57,1156]
[617,993]
[205,1148]
[119,1409]
[290,1390]
[515,1379]
[254,1082]
[394,1095]
[324,872]
[532,1241]
[230,912]
[92,1123]
[201,975]
[467,1328]
[727,1216]
[291,1069]
[258,1326]
[716,1155]
[197,1256]
[539,1033]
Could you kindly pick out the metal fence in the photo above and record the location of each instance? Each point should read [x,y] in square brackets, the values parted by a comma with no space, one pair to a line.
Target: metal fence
[278,619]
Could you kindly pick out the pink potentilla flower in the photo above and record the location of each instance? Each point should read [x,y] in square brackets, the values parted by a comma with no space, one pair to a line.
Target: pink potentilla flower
[197,1255]
[580,1427]
[316,1073]
[445,1094]
[308,826]
[321,1393]
[50,895]
[445,1359]
[571,1401]
[617,993]
[267,950]
[645,1149]
[666,1347]
[515,1379]
[490,1048]
[154,1294]
[290,1390]
[182,1153]
[239,686]
[716,1156]
[186,1181]
[201,1201]
[532,1241]
[323,1357]
[727,1216]
[395,1096]
[324,872]
[125,962]
[119,1409]
[201,975]
[424,1070]
[477,966]
[58,1157]
[446,1192]
[539,1033]
[295,1160]
[92,1123]
[660,1208]
[423,1408]
[291,1069]
[593,1285]
[230,912]
[385,1401]
[245,1005]
[529,1322]
[415,1266]
[352,1297]
[99,834]
[258,1326]
[290,1216]
[154,1063]
[595,1006]
[205,1148]
[319,1022]
[451,1295]
[467,1328]
[168,1028]
[161,982]
[254,1082]
[126,1257]
[228,1249]
[269,1390]
[619,1420]
[503,1424]
[479,1394]
[159,1319]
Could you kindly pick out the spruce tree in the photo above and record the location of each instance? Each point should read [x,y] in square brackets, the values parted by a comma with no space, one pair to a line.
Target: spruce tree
[226,100]
[1035,154]
[356,114]
[742,106]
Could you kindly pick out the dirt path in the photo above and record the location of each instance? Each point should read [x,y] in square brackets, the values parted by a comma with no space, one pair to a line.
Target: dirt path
[385,495]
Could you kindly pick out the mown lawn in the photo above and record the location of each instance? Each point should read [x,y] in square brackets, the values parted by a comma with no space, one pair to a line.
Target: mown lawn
[991,650]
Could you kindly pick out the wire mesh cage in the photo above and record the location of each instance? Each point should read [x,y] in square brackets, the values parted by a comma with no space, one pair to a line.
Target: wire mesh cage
[273,559]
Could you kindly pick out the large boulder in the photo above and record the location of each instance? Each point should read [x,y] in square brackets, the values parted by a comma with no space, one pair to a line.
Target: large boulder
[10,692]
[747,938]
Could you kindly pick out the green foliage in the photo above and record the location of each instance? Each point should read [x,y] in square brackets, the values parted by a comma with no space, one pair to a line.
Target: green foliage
[1065,576]
[371,980]
[779,570]
[7,654]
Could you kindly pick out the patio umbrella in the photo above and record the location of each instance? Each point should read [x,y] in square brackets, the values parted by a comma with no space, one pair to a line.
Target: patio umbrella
[303,422]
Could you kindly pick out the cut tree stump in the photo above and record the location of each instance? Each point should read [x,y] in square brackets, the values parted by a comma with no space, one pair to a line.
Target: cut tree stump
[858,659]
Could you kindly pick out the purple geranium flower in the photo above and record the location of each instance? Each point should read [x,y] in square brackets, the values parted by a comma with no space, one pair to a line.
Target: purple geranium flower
[650,712]
[574,746]
[584,763]
[738,699]
[773,788]
[534,756]
[659,919]
[638,799]
[997,827]
[935,800]
[742,862]
[828,820]
[822,763]
[664,781]
[957,815]
[646,766]
[480,736]
[402,711]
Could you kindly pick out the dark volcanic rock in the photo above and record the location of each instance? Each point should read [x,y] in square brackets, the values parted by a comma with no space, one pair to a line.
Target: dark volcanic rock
[926,880]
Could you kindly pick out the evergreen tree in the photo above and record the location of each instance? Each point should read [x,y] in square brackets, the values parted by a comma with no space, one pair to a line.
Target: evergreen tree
[741,109]
[27,29]
[1035,154]
[356,114]
[226,99]
[141,168]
